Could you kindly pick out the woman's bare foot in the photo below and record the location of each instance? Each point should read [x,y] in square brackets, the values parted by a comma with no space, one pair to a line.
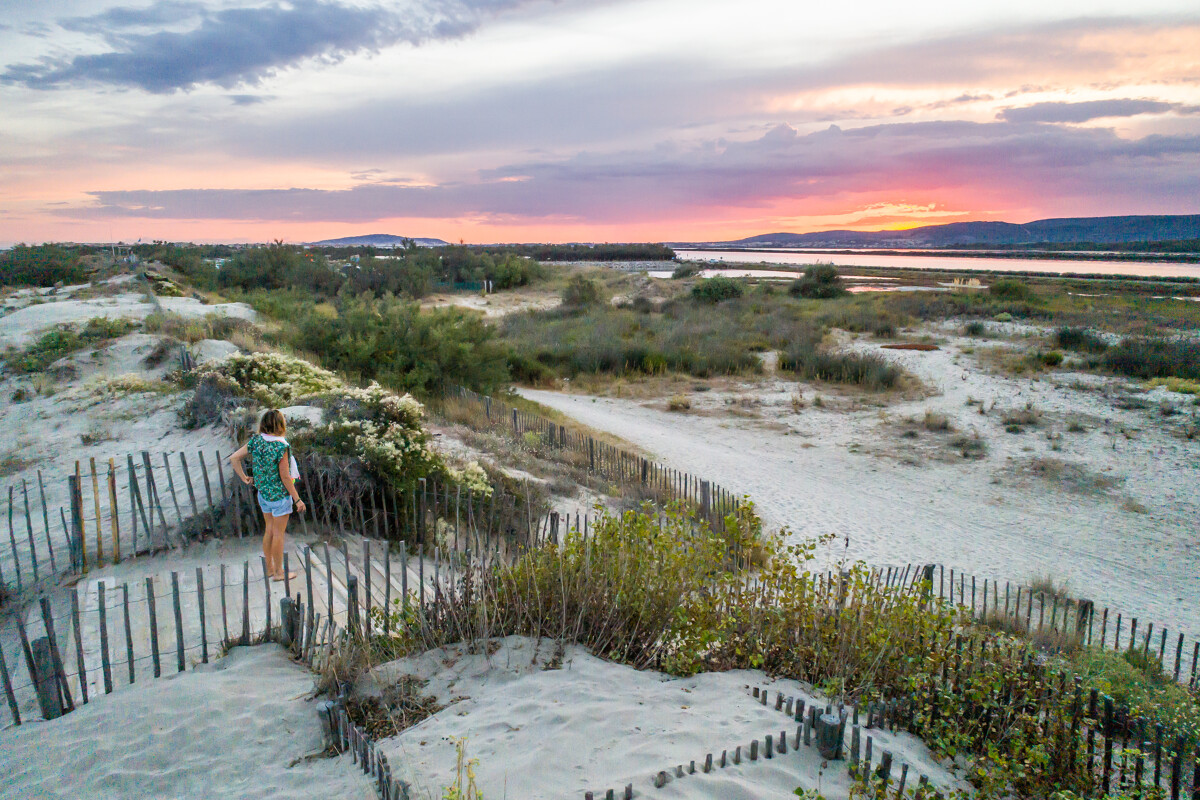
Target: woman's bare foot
[291,576]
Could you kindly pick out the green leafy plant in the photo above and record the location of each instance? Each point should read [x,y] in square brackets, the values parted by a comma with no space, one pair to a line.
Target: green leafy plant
[716,289]
[820,282]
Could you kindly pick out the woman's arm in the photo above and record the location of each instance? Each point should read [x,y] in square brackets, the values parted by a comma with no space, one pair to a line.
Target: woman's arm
[285,475]
[236,461]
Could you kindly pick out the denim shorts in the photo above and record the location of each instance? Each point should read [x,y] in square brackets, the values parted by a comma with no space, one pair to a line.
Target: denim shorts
[276,508]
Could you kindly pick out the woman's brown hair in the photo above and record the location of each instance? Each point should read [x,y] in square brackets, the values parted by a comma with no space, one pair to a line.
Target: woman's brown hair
[273,423]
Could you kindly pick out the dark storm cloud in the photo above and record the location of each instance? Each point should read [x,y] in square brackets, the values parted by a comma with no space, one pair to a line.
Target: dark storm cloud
[1093,109]
[668,181]
[235,46]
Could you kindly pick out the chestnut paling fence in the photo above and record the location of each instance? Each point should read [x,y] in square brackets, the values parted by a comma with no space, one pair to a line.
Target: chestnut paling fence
[110,636]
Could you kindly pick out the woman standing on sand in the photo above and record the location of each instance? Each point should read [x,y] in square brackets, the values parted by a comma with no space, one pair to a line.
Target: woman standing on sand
[270,459]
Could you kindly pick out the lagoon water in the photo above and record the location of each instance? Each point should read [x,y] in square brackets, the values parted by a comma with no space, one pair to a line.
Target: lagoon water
[947,262]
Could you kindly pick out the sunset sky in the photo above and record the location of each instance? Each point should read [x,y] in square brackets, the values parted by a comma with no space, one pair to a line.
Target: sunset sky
[587,120]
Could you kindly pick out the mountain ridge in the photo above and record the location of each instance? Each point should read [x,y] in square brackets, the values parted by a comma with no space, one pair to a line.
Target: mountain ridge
[378,240]
[1057,230]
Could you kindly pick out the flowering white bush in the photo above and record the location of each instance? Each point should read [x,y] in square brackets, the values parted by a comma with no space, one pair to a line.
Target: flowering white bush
[381,405]
[380,427]
[470,477]
[272,379]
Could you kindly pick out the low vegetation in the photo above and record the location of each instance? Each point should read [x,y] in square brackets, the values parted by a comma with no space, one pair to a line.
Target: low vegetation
[820,282]
[714,290]
[668,590]
[810,360]
[64,340]
[581,291]
[43,265]
[684,337]
[1155,357]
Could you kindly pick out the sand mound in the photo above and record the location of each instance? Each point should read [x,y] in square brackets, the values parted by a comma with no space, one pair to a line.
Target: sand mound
[227,729]
[540,730]
[23,325]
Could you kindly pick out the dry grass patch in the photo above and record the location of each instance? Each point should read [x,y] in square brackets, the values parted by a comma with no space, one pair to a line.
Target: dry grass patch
[679,402]
[397,708]
[13,461]
[923,348]
[1072,477]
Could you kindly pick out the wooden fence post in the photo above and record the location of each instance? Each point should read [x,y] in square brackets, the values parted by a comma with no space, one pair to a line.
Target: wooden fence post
[203,618]
[46,521]
[56,652]
[153,626]
[114,524]
[352,600]
[8,690]
[83,690]
[106,665]
[96,502]
[245,603]
[28,526]
[128,630]
[180,664]
[45,679]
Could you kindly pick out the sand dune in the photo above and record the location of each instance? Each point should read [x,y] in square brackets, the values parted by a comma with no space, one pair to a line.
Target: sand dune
[240,727]
[542,730]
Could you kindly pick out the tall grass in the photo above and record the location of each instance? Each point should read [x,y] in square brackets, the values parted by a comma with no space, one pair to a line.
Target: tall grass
[670,592]
[812,361]
[685,336]
[1155,357]
[1079,339]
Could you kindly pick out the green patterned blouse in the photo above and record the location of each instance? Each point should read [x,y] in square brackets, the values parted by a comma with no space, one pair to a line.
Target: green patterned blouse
[265,457]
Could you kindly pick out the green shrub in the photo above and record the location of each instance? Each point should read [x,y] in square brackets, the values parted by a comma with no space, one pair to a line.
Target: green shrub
[975,328]
[863,319]
[581,291]
[690,338]
[399,344]
[41,265]
[810,360]
[714,290]
[1135,679]
[685,271]
[1010,289]
[820,282]
[1080,340]
[1052,358]
[64,340]
[1155,357]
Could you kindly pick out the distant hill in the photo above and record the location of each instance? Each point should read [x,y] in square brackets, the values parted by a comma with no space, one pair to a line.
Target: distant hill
[1099,230]
[378,240]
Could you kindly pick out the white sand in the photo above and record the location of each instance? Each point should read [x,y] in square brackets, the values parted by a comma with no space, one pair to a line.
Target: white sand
[497,304]
[46,432]
[23,325]
[230,729]
[593,725]
[825,470]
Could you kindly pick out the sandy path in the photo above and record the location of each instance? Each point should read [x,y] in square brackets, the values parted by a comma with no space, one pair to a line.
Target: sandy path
[821,478]
[230,729]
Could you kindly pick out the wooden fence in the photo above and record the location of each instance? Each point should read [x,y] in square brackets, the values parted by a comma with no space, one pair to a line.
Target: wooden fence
[132,507]
[603,459]
[108,637]
[1024,609]
[113,511]
[86,649]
